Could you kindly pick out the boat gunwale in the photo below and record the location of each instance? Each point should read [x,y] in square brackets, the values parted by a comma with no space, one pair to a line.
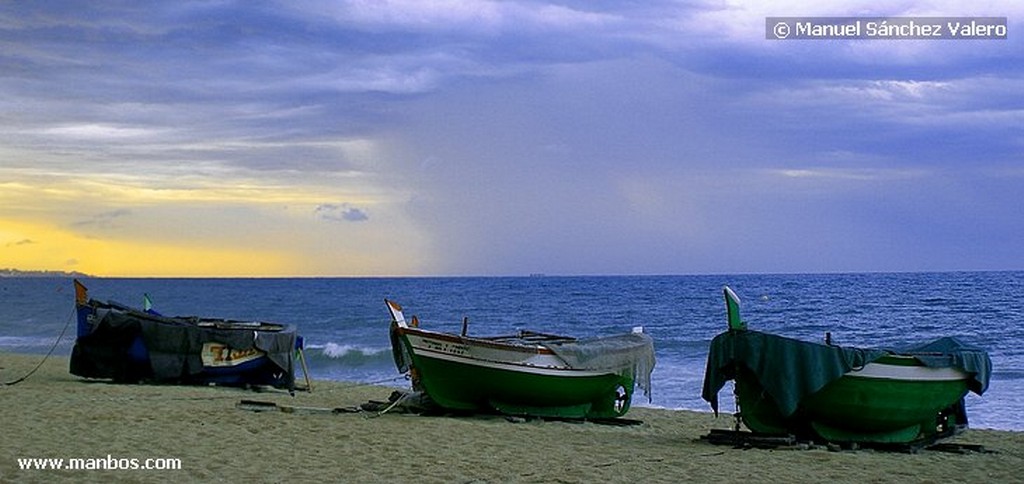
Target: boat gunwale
[559,371]
[915,373]
[531,348]
[197,321]
[494,342]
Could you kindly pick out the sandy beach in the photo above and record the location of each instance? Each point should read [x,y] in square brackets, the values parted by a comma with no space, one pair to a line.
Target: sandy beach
[54,414]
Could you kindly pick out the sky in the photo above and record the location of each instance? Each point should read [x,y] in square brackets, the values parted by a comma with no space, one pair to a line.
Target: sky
[418,138]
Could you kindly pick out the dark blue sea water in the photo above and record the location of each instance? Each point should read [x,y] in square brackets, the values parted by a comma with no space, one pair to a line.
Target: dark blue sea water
[345,322]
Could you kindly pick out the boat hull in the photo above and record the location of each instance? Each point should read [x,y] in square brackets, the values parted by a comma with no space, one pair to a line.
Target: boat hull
[468,374]
[891,400]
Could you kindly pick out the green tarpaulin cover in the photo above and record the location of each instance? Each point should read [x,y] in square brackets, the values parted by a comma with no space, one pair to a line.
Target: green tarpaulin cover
[790,369]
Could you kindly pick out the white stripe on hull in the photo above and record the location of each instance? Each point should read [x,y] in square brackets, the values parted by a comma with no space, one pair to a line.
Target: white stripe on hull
[518,368]
[488,353]
[908,373]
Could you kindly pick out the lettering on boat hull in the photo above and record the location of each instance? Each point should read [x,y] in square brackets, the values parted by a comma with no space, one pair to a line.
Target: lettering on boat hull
[219,355]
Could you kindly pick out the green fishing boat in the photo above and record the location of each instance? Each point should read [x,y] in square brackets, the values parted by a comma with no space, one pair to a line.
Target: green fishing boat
[843,394]
[526,374]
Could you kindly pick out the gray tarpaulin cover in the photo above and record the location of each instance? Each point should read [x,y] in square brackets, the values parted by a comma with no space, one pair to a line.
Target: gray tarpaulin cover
[790,369]
[632,355]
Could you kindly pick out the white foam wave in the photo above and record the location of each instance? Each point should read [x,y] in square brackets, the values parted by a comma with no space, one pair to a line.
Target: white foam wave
[348,352]
[335,350]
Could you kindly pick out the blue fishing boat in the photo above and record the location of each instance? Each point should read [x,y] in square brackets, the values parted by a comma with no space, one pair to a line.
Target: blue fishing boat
[124,344]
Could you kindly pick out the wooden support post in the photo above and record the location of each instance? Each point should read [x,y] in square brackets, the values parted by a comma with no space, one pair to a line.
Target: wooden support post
[305,370]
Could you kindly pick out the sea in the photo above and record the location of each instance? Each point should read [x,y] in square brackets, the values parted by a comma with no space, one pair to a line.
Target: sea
[344,321]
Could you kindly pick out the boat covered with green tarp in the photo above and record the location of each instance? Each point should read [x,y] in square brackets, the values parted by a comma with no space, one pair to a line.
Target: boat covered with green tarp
[841,393]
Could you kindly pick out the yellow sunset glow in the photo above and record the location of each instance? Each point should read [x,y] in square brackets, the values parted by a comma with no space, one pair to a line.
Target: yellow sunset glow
[42,247]
[182,224]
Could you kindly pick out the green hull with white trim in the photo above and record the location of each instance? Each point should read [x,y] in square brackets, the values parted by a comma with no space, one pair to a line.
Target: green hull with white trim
[843,394]
[528,374]
[471,387]
[852,409]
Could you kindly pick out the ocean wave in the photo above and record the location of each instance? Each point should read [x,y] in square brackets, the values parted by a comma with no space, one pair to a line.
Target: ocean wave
[346,354]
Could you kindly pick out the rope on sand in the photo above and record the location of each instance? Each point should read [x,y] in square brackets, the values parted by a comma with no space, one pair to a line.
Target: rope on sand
[48,353]
[393,405]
